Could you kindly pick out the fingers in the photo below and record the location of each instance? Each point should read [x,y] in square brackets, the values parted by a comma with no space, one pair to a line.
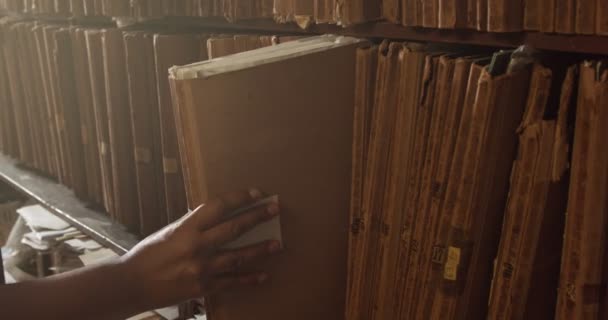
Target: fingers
[218,284]
[230,261]
[212,213]
[227,231]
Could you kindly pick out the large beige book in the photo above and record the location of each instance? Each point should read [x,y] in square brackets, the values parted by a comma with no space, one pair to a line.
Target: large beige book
[289,135]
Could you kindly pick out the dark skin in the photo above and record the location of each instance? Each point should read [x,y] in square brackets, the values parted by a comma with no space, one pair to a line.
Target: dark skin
[182,261]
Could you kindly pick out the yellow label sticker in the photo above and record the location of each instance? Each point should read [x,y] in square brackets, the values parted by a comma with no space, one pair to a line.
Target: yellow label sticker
[450,271]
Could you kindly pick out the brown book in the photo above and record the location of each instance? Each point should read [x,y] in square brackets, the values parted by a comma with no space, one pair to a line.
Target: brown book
[460,99]
[385,303]
[480,190]
[505,16]
[10,145]
[530,182]
[453,14]
[547,18]
[50,165]
[586,11]
[77,7]
[212,108]
[71,113]
[98,91]
[411,15]
[17,88]
[89,7]
[87,116]
[119,124]
[482,15]
[484,217]
[284,10]
[49,102]
[116,8]
[61,7]
[391,10]
[145,121]
[533,14]
[57,105]
[417,178]
[367,61]
[582,271]
[565,16]
[601,20]
[376,166]
[348,12]
[426,223]
[31,105]
[172,50]
[430,13]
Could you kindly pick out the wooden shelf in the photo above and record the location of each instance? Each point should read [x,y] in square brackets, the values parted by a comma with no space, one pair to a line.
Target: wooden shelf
[62,202]
[589,44]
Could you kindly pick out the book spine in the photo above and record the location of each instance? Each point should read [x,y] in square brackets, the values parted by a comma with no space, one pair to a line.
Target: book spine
[532,16]
[565,16]
[430,13]
[409,14]
[504,16]
[586,11]
[602,18]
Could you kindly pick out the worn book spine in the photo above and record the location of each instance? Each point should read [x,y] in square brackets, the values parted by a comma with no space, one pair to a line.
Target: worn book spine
[77,7]
[440,111]
[410,13]
[505,16]
[98,91]
[42,103]
[586,12]
[31,105]
[565,16]
[533,13]
[442,291]
[453,14]
[51,48]
[356,307]
[422,151]
[547,19]
[382,223]
[601,19]
[46,75]
[367,59]
[430,13]
[532,160]
[484,217]
[459,97]
[121,137]
[67,91]
[145,124]
[172,50]
[24,135]
[87,116]
[482,15]
[580,290]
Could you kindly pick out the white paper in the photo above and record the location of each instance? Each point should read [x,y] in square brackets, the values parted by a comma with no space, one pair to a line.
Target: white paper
[35,244]
[269,230]
[170,313]
[80,245]
[95,257]
[141,316]
[53,234]
[38,217]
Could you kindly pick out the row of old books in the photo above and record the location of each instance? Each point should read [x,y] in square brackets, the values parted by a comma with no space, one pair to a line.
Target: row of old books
[551,16]
[92,108]
[231,9]
[461,186]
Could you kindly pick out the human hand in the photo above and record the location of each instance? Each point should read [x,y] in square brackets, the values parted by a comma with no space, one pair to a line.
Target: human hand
[185,259]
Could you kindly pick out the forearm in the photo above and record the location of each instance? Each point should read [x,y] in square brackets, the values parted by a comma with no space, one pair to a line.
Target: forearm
[101,292]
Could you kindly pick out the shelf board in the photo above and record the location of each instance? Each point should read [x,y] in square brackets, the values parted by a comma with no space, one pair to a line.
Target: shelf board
[589,44]
[62,202]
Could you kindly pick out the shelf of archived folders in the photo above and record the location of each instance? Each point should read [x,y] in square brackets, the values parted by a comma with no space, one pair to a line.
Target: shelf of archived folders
[62,202]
